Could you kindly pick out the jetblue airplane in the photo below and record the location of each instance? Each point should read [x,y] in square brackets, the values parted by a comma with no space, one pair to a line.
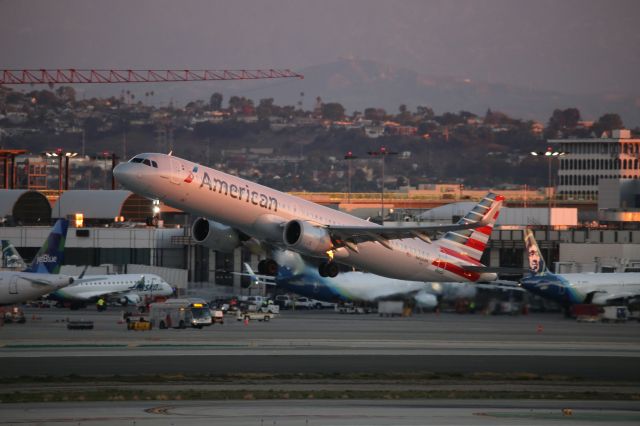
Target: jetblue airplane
[570,289]
[42,276]
[125,288]
[236,211]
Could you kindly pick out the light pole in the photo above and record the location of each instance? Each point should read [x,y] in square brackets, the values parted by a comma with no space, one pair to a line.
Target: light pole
[549,154]
[67,155]
[349,156]
[382,153]
[57,154]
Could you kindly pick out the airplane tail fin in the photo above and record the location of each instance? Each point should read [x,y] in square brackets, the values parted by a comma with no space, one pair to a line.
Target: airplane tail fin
[10,256]
[537,265]
[472,242]
[51,254]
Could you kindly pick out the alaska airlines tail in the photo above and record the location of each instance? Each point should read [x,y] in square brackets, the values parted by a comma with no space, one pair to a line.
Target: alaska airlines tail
[472,242]
[537,265]
[10,256]
[51,254]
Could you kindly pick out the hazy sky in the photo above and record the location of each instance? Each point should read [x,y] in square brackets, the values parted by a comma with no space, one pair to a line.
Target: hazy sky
[578,46]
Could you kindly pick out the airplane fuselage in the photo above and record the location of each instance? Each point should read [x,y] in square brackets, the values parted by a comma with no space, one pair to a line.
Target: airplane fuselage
[93,286]
[18,287]
[261,212]
[569,289]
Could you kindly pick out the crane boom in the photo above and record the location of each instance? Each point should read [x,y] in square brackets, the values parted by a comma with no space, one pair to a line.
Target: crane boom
[76,76]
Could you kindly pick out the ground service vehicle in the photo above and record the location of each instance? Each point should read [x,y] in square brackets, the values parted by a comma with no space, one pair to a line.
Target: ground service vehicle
[254,315]
[615,314]
[283,301]
[14,315]
[180,313]
[390,308]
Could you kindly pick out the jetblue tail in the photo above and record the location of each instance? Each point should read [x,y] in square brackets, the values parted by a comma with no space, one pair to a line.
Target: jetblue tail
[537,265]
[472,242]
[51,254]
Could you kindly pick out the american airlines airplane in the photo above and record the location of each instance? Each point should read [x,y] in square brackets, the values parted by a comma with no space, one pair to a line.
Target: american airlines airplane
[237,211]
[125,288]
[41,277]
[570,289]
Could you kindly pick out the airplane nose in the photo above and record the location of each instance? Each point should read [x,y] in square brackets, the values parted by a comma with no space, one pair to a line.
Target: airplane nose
[123,173]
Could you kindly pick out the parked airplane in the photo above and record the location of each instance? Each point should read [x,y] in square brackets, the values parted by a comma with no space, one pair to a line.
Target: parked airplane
[297,276]
[41,277]
[238,211]
[125,288]
[569,289]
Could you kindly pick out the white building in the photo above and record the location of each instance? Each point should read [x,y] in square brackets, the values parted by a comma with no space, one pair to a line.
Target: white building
[588,161]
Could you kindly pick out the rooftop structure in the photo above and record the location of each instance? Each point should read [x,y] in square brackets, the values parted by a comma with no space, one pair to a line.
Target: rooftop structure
[588,161]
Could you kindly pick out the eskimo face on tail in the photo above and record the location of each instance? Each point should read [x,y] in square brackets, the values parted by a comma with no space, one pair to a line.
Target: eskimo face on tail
[536,262]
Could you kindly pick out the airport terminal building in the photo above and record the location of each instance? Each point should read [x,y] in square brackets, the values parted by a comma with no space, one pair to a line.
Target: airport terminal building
[118,231]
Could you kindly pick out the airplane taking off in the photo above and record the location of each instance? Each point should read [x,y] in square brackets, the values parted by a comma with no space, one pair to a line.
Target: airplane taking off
[41,277]
[570,289]
[237,211]
[125,288]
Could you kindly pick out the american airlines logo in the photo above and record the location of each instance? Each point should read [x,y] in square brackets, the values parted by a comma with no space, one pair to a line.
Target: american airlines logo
[242,193]
[192,175]
[47,258]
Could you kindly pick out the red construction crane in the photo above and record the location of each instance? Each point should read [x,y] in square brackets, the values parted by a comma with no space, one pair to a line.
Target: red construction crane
[75,76]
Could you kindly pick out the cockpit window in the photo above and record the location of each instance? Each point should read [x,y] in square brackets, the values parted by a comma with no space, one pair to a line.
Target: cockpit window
[136,160]
[154,164]
[147,162]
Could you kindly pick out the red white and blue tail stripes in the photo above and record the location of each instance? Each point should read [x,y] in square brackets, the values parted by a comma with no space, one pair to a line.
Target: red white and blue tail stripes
[469,244]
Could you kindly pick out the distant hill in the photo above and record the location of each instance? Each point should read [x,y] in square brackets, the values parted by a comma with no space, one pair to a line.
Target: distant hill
[358,84]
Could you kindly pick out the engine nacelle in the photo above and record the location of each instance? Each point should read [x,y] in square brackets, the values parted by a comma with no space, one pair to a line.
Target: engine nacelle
[215,235]
[426,300]
[303,237]
[130,299]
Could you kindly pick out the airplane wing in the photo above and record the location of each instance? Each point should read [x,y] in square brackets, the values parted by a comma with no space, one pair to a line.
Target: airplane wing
[500,285]
[496,269]
[350,236]
[353,235]
[609,298]
[37,280]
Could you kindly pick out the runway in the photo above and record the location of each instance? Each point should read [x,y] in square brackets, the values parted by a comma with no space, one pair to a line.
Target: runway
[324,342]
[314,412]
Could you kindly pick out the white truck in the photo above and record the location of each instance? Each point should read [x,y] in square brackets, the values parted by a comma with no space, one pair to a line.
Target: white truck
[390,308]
[615,314]
[180,313]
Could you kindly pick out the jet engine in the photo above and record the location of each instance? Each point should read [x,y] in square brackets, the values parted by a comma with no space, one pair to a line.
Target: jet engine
[130,299]
[426,300]
[215,235]
[303,237]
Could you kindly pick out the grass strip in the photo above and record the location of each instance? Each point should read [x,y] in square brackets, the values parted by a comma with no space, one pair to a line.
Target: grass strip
[197,395]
